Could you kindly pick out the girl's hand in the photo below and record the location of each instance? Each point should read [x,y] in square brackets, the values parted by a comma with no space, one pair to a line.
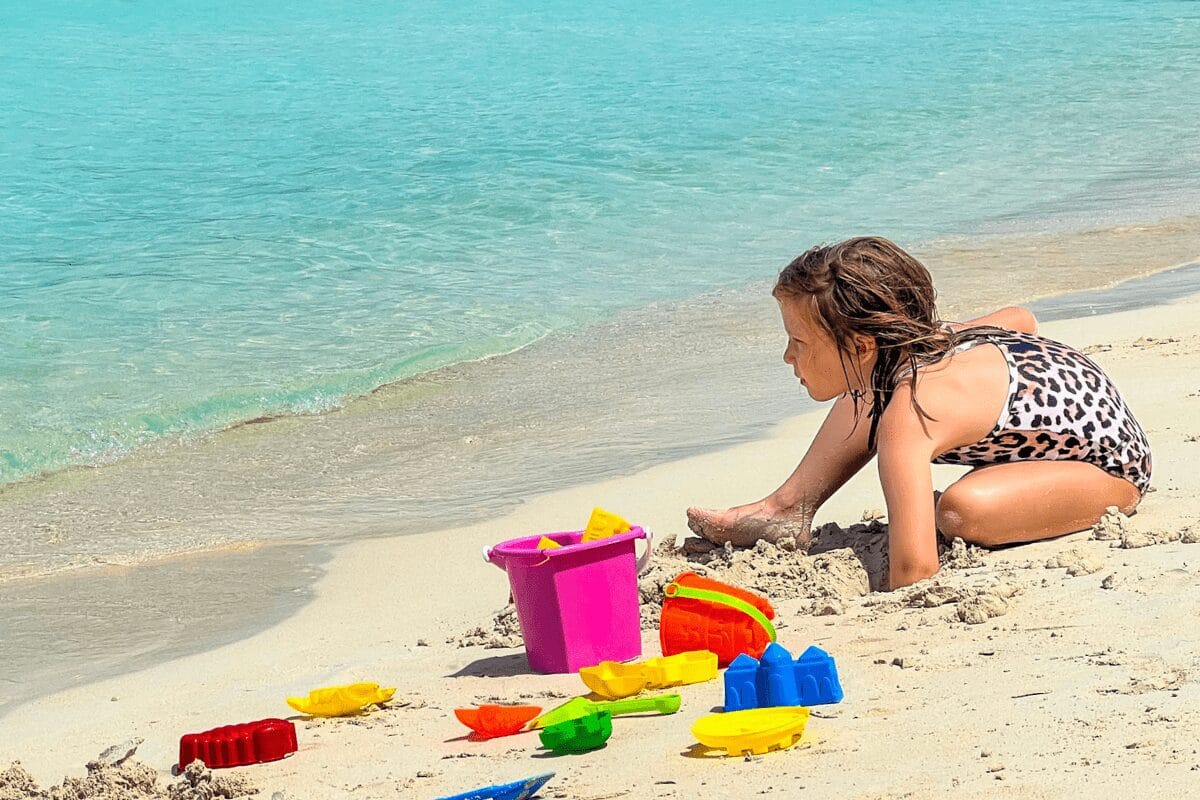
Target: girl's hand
[747,524]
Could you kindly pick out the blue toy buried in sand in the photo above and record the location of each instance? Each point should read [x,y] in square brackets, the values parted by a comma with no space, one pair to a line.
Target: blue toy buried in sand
[517,790]
[778,680]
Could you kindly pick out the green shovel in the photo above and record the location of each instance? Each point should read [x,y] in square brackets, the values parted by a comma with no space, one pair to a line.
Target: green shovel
[578,707]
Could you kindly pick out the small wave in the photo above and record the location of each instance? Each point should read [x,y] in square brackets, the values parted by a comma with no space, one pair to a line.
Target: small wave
[43,570]
[96,447]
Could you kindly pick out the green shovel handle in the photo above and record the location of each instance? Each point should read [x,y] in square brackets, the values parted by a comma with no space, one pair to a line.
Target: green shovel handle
[662,703]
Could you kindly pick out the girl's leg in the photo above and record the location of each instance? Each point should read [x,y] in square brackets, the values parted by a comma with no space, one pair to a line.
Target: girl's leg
[1023,501]
[1015,318]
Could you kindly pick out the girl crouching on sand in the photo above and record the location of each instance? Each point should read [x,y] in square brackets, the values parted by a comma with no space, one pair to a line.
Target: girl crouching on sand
[1049,438]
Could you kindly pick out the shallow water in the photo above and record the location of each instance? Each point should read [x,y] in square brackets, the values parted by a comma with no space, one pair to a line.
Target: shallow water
[210,212]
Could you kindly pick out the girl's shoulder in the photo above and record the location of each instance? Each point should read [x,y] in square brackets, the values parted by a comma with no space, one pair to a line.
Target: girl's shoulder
[955,399]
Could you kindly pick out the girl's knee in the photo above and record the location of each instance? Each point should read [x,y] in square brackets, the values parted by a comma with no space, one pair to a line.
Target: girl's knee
[954,525]
[959,513]
[1129,497]
[1129,508]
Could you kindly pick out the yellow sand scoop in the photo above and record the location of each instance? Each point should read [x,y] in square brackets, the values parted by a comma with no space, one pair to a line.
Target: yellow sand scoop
[613,680]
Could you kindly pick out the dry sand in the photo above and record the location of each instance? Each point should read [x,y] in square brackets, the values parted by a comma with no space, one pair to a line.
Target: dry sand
[1036,671]
[127,779]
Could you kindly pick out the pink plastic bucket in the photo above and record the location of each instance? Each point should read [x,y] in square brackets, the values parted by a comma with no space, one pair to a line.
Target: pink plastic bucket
[578,604]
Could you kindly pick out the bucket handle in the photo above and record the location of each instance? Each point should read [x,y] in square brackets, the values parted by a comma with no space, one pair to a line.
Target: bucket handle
[642,562]
[487,556]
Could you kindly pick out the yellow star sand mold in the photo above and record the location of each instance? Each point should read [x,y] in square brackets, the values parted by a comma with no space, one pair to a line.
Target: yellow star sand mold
[340,701]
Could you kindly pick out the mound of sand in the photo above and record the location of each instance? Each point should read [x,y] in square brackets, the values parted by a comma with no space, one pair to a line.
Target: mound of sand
[829,574]
[1077,561]
[839,565]
[1125,533]
[126,780]
[502,631]
[972,604]
[826,576]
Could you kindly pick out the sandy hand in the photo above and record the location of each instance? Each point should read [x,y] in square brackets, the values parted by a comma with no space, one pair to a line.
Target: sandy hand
[745,525]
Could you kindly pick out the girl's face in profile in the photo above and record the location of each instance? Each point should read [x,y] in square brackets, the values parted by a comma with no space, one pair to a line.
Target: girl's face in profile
[812,353]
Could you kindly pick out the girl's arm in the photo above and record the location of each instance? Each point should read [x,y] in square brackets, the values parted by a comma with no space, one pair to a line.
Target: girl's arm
[905,450]
[837,453]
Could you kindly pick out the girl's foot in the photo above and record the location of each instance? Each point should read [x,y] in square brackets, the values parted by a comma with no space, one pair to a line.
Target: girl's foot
[745,525]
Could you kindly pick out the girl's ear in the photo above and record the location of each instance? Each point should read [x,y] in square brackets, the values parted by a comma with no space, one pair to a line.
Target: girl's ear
[864,345]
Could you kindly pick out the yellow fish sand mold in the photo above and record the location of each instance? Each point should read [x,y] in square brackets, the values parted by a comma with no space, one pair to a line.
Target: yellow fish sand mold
[756,730]
[613,680]
[340,701]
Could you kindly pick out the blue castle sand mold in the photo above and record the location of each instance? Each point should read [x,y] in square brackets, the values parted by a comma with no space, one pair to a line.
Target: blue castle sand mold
[778,680]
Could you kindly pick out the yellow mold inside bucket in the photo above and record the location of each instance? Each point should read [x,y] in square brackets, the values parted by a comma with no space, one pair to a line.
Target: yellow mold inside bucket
[613,680]
[603,524]
[755,730]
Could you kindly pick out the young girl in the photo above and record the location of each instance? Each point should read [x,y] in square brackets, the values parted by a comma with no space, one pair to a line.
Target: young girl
[1050,440]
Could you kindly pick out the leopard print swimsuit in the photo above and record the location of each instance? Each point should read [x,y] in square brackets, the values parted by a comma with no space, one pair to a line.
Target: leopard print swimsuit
[1061,406]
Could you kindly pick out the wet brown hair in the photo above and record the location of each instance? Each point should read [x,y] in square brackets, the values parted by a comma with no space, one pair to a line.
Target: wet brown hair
[869,286]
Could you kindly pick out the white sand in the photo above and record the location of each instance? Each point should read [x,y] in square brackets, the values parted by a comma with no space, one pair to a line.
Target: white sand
[1075,688]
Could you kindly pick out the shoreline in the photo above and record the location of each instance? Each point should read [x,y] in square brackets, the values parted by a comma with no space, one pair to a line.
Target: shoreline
[347,634]
[944,255]
[217,561]
[1160,286]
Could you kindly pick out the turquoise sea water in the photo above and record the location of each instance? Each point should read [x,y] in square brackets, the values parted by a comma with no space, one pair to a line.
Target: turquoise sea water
[214,211]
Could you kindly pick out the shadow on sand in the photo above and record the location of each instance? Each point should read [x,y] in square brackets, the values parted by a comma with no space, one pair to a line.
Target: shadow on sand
[504,666]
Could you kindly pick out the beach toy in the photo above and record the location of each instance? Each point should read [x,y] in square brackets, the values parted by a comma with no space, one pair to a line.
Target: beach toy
[546,543]
[578,735]
[490,721]
[755,731]
[603,524]
[613,680]
[778,680]
[239,745]
[578,707]
[577,604]
[517,790]
[704,614]
[340,701]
